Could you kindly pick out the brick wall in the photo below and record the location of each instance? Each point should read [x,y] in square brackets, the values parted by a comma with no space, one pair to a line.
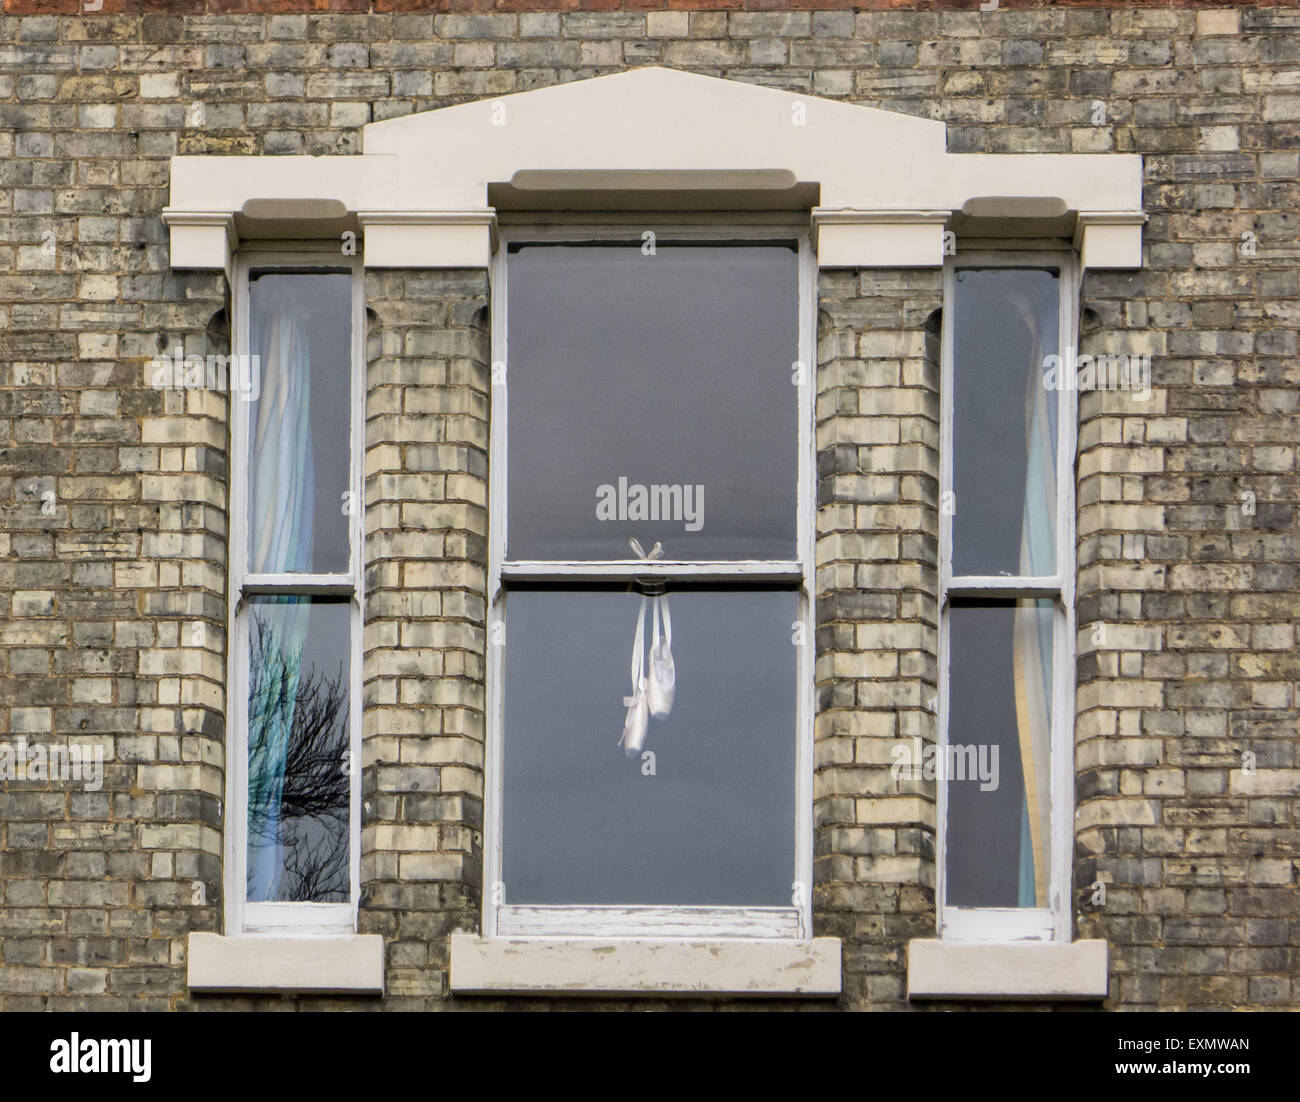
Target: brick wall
[425,619]
[114,594]
[1186,603]
[114,600]
[877,619]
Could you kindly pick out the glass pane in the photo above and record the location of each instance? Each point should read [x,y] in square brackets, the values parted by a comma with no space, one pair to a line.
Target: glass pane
[651,396]
[703,813]
[298,744]
[1004,422]
[998,763]
[300,327]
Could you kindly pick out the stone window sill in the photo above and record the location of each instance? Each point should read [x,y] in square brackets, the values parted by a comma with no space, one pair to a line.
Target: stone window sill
[1021,970]
[691,968]
[351,965]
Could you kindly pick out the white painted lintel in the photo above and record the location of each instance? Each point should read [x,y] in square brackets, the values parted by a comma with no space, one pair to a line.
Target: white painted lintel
[660,129]
[879,238]
[429,239]
[1109,239]
[200,239]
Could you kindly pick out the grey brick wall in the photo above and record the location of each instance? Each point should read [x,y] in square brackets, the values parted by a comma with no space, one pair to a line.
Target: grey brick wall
[877,618]
[1186,603]
[114,597]
[425,635]
[113,588]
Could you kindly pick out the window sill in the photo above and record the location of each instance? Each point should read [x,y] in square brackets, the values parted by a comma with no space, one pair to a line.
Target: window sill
[1021,970]
[652,967]
[352,964]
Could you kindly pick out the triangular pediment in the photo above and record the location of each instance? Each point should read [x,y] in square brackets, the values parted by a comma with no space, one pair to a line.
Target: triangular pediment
[881,186]
[652,120]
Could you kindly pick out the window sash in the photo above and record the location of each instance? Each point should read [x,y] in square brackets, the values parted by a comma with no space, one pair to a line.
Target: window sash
[300,918]
[995,923]
[500,919]
[1004,588]
[288,918]
[534,920]
[999,924]
[315,585]
[755,571]
[567,530]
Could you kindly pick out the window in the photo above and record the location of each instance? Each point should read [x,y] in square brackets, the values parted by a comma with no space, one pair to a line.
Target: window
[650,528]
[295,552]
[1007,589]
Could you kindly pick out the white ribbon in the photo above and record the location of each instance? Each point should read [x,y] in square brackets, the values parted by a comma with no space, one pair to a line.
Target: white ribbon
[653,696]
[638,718]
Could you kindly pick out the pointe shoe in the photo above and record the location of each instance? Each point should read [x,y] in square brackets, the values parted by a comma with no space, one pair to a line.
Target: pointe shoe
[663,674]
[637,723]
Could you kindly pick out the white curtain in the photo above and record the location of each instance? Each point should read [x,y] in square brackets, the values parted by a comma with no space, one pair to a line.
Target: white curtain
[280,520]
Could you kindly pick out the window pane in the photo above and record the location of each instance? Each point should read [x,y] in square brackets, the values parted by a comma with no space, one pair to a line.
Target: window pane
[298,742]
[651,396]
[300,327]
[999,760]
[1004,422]
[709,820]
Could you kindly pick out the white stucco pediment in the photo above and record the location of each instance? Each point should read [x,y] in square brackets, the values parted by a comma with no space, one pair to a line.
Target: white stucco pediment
[881,187]
[648,120]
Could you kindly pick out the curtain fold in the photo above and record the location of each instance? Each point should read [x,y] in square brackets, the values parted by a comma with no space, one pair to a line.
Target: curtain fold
[280,522]
[1035,620]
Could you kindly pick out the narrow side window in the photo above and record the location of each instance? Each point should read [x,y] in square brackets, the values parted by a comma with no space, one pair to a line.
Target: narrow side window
[295,593]
[1006,580]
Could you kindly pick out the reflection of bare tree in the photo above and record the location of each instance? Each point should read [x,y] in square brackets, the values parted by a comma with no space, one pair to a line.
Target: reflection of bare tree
[309,819]
[316,859]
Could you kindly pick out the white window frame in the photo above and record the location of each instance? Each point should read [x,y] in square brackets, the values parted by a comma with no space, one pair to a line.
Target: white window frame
[297,919]
[997,924]
[500,918]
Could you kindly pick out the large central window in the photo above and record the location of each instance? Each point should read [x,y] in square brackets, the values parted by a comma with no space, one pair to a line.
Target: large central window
[649,624]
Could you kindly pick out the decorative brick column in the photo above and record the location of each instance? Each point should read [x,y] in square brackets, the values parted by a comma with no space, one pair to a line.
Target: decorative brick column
[112,585]
[425,618]
[877,619]
[179,741]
